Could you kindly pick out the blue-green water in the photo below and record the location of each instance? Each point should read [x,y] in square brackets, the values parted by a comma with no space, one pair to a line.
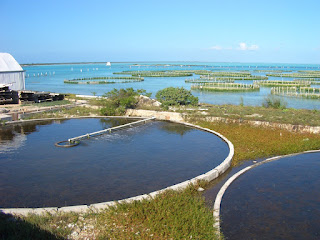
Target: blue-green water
[276,200]
[126,163]
[50,78]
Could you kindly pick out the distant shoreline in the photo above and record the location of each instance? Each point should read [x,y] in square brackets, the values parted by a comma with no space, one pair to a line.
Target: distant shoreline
[40,64]
[165,63]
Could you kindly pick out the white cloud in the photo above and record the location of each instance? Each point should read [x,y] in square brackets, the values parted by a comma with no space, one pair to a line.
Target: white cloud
[243,46]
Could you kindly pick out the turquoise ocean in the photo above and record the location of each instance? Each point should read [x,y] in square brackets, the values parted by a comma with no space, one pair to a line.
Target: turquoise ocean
[50,78]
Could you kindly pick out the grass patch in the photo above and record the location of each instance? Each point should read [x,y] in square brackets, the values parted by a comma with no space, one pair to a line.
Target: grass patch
[258,142]
[169,215]
[47,104]
[65,112]
[257,113]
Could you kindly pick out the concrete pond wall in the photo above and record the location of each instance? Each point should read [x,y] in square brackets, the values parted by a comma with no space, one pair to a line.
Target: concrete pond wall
[172,117]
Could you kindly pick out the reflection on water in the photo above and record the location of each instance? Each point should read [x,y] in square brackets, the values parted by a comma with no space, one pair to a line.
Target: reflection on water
[13,136]
[176,129]
[125,163]
[276,200]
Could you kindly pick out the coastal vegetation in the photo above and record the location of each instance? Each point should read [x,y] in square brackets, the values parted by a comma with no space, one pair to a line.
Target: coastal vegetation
[274,102]
[176,96]
[252,142]
[238,113]
[116,102]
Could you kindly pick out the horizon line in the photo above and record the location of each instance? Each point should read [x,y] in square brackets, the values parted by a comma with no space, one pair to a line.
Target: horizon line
[94,62]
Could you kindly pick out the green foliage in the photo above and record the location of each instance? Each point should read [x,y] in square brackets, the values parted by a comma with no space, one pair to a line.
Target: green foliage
[274,102]
[176,96]
[119,100]
[169,215]
[252,142]
[241,101]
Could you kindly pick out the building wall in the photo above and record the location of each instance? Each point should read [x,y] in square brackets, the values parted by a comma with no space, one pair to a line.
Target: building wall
[15,80]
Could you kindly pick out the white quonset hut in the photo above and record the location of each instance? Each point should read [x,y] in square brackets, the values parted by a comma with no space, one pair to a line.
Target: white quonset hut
[11,73]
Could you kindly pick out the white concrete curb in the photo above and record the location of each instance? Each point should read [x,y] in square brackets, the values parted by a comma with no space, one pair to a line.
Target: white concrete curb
[217,203]
[209,176]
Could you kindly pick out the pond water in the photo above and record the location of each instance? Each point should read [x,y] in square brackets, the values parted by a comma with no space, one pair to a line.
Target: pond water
[125,163]
[51,77]
[276,200]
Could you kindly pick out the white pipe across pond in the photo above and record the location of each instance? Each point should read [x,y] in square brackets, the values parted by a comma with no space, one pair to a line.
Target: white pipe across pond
[109,129]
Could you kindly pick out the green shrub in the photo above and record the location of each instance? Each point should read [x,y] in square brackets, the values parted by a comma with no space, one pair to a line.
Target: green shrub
[274,102]
[119,100]
[176,96]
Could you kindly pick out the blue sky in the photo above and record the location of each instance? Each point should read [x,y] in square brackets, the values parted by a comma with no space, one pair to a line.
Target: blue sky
[216,31]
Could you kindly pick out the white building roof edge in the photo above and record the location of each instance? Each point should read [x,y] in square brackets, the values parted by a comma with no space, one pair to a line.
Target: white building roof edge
[9,64]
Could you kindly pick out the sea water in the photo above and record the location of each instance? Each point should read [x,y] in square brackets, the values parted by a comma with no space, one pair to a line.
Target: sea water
[51,78]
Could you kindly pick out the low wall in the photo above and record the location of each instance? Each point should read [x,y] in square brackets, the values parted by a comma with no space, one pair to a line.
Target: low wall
[173,116]
[169,116]
[209,176]
[285,126]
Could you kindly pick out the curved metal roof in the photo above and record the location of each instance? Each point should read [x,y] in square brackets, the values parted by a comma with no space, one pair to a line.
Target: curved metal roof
[9,64]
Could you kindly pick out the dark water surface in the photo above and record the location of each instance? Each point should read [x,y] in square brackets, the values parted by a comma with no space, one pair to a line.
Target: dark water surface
[276,200]
[126,163]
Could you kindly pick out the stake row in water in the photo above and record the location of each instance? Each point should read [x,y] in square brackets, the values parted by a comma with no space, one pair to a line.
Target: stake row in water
[253,77]
[225,87]
[101,80]
[303,92]
[209,80]
[294,75]
[276,83]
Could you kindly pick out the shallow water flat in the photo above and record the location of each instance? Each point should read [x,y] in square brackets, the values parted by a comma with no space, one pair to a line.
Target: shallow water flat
[125,163]
[51,78]
[276,200]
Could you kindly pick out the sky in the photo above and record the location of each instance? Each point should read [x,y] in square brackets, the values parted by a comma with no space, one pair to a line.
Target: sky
[265,31]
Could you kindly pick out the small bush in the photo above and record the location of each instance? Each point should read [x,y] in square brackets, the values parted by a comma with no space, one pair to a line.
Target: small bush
[119,100]
[176,96]
[274,102]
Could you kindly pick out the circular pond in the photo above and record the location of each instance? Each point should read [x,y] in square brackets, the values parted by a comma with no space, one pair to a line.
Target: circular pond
[133,161]
[275,200]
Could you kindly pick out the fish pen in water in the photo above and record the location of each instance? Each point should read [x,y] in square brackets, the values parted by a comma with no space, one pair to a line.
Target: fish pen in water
[276,83]
[226,87]
[104,80]
[303,92]
[253,77]
[209,80]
